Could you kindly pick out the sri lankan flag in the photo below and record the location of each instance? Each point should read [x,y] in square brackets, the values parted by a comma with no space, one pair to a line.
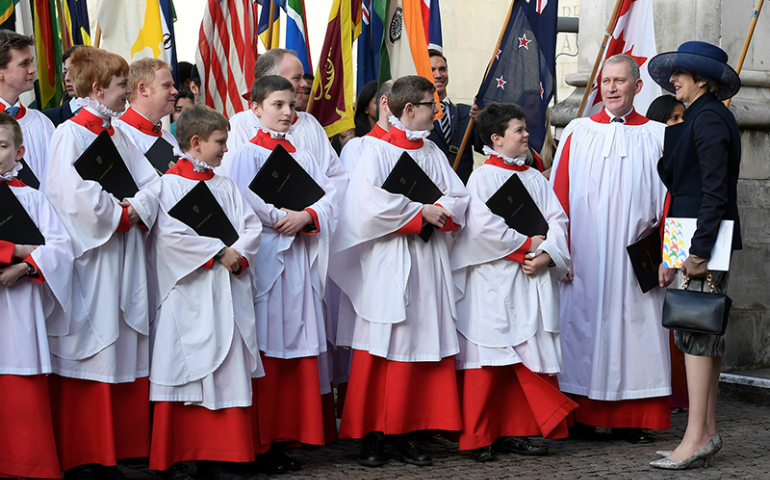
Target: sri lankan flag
[48,54]
[331,100]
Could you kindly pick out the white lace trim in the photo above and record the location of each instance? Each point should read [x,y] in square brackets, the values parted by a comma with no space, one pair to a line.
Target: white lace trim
[273,133]
[410,134]
[11,174]
[198,166]
[520,160]
[99,109]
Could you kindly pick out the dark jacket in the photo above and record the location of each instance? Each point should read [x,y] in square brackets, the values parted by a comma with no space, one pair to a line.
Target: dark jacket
[59,114]
[700,166]
[459,116]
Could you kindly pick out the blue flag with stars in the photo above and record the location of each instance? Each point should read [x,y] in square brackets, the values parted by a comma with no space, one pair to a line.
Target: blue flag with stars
[524,69]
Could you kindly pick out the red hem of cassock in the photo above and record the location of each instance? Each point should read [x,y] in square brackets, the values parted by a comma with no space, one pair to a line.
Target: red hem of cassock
[510,401]
[98,422]
[400,397]
[652,413]
[287,403]
[27,443]
[181,433]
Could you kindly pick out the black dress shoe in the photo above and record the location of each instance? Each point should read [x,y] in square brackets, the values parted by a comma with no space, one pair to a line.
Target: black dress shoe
[290,463]
[83,472]
[580,431]
[636,436]
[218,470]
[371,452]
[176,472]
[520,445]
[408,450]
[270,463]
[483,454]
[111,473]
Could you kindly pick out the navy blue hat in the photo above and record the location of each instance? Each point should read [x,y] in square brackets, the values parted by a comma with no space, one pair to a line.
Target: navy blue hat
[696,57]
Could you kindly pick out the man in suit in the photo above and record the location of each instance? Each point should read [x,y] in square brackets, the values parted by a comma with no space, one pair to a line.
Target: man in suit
[449,130]
[68,108]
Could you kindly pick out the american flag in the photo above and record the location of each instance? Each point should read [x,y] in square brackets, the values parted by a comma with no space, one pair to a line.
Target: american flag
[227,51]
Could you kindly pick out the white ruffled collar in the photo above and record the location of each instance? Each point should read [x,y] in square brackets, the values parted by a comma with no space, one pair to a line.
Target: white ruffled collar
[520,160]
[273,133]
[11,174]
[410,134]
[198,166]
[97,108]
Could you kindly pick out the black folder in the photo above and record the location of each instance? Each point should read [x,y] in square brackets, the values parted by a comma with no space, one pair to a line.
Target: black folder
[410,180]
[102,163]
[161,156]
[27,176]
[512,202]
[283,182]
[200,211]
[16,226]
[645,255]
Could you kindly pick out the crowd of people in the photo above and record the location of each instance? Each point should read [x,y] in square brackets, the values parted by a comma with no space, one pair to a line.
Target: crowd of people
[126,334]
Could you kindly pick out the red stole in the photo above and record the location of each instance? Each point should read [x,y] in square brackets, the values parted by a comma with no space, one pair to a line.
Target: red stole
[184,168]
[499,162]
[139,122]
[632,118]
[92,122]
[263,139]
[377,131]
[397,137]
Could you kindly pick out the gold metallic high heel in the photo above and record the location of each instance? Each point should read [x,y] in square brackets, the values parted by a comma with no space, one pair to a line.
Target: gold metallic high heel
[705,453]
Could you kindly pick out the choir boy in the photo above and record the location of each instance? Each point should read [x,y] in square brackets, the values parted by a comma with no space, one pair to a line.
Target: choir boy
[34,281]
[290,273]
[402,378]
[508,303]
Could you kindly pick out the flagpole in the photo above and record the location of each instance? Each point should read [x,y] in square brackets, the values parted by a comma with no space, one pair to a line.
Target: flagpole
[472,121]
[270,26]
[98,36]
[747,42]
[607,35]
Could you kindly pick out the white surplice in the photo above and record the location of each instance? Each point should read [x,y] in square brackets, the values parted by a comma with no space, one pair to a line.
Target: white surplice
[142,140]
[400,287]
[205,345]
[37,130]
[613,344]
[503,315]
[27,308]
[290,270]
[108,337]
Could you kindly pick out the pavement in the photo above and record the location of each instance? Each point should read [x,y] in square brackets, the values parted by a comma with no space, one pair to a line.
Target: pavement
[745,428]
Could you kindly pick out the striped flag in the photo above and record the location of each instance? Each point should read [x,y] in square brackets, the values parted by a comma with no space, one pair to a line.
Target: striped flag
[369,43]
[48,55]
[227,51]
[77,23]
[264,23]
[431,18]
[296,32]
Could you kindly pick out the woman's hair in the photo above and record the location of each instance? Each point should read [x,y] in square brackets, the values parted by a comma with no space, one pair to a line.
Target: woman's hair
[711,84]
[362,103]
[199,120]
[409,89]
[494,119]
[262,88]
[662,108]
[89,65]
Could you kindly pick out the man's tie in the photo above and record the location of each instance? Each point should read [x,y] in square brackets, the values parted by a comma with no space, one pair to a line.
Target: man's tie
[12,111]
[618,120]
[446,126]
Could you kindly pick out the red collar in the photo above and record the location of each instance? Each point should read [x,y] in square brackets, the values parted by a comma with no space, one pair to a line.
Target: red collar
[15,183]
[92,122]
[377,131]
[22,110]
[296,118]
[397,137]
[498,162]
[139,122]
[184,168]
[632,118]
[263,139]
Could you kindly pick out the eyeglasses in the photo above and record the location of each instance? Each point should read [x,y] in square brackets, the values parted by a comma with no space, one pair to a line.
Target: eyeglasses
[431,104]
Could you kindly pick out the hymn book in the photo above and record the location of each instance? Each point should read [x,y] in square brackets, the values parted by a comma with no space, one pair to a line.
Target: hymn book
[199,210]
[283,182]
[513,202]
[102,163]
[27,176]
[645,259]
[16,226]
[161,156]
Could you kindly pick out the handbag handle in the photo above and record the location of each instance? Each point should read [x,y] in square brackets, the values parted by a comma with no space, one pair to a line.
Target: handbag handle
[709,277]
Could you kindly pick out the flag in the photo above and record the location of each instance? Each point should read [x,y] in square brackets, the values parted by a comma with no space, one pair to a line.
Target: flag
[634,35]
[48,55]
[76,22]
[331,100]
[431,18]
[369,43]
[296,32]
[227,51]
[7,14]
[404,47]
[264,23]
[132,28]
[168,17]
[524,68]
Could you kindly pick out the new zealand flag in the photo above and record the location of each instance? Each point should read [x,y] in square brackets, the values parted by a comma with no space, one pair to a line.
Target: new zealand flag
[524,69]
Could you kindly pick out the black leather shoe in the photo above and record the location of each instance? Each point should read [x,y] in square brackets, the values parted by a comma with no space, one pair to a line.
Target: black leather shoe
[483,454]
[270,463]
[580,431]
[408,450]
[372,451]
[290,463]
[636,436]
[83,472]
[176,472]
[218,470]
[520,445]
[111,473]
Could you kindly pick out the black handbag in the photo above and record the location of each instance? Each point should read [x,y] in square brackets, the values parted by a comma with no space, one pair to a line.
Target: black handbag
[698,312]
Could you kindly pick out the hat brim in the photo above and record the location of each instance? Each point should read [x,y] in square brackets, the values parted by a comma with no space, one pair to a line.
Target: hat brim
[662,66]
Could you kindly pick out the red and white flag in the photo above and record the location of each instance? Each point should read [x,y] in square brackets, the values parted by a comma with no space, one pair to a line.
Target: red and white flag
[634,35]
[227,51]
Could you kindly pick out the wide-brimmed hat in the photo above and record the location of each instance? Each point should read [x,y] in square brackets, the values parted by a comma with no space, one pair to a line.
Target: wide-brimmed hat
[700,57]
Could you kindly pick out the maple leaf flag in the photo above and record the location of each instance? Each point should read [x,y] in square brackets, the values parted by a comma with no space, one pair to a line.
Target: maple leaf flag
[634,35]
